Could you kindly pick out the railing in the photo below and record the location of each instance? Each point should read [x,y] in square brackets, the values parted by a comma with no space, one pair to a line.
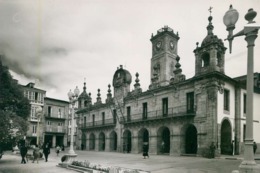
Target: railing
[55,129]
[34,119]
[175,112]
[51,116]
[100,123]
[36,101]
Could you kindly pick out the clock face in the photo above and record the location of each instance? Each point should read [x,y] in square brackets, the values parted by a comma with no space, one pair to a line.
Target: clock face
[158,45]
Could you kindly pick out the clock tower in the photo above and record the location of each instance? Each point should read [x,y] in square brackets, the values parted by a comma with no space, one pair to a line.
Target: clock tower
[164,53]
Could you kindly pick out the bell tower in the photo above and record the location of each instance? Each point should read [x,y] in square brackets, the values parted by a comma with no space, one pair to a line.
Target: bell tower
[210,56]
[164,53]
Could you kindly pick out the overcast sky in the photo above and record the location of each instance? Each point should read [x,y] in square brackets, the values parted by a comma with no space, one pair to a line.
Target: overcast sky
[58,43]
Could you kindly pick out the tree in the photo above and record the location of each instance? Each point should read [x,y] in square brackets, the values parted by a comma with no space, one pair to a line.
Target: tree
[14,107]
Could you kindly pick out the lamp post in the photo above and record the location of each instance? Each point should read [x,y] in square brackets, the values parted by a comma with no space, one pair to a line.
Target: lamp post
[73,99]
[38,114]
[250,32]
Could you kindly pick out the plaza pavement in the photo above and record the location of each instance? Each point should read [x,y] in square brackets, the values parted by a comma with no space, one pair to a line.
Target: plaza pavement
[11,163]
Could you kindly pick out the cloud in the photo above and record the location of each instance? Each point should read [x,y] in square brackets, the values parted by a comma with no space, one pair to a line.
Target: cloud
[61,42]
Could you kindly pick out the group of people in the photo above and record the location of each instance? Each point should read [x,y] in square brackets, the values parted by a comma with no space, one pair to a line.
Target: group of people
[36,152]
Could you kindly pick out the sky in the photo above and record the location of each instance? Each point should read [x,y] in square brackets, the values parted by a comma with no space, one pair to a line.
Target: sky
[59,44]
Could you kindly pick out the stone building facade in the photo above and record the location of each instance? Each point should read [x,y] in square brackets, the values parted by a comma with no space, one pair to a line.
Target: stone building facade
[55,121]
[175,115]
[36,98]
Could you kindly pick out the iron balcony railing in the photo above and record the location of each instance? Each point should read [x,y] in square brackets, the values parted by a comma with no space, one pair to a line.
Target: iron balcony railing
[100,123]
[52,116]
[175,112]
[55,129]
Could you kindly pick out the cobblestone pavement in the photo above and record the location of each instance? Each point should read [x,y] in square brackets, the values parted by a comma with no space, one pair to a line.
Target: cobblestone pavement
[11,163]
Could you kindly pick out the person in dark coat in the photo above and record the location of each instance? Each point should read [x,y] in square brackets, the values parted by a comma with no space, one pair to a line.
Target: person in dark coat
[255,147]
[23,152]
[212,150]
[46,151]
[145,150]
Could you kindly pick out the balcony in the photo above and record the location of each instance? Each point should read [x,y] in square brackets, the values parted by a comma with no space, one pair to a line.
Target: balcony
[54,129]
[34,119]
[36,101]
[171,113]
[98,124]
[54,117]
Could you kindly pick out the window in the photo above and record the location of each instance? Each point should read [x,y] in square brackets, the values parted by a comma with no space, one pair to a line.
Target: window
[30,95]
[26,94]
[190,102]
[114,116]
[48,123]
[60,124]
[128,113]
[244,110]
[103,118]
[36,96]
[226,100]
[34,130]
[33,112]
[85,121]
[49,111]
[93,119]
[165,106]
[59,113]
[205,59]
[145,111]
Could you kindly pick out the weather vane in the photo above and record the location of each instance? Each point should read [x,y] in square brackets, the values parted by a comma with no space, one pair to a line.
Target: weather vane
[210,10]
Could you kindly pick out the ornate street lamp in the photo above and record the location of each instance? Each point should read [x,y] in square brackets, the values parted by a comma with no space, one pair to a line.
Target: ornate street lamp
[250,32]
[73,97]
[38,112]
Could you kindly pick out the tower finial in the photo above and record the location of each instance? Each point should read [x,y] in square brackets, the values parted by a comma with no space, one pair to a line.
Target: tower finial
[210,10]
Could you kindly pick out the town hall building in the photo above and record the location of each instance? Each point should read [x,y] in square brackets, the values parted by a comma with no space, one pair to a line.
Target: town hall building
[175,115]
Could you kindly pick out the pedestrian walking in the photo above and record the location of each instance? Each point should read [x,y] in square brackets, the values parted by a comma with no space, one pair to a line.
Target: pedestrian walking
[232,148]
[254,147]
[145,150]
[58,150]
[36,154]
[46,151]
[212,150]
[23,152]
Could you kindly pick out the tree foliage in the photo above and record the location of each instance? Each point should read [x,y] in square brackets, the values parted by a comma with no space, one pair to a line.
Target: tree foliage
[14,107]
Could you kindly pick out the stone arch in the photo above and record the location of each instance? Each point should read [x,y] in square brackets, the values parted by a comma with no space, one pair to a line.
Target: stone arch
[143,136]
[205,59]
[101,141]
[127,141]
[113,141]
[163,140]
[92,139]
[189,141]
[83,141]
[226,137]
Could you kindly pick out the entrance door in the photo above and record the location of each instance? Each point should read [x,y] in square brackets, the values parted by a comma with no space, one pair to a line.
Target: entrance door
[225,144]
[165,148]
[191,144]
